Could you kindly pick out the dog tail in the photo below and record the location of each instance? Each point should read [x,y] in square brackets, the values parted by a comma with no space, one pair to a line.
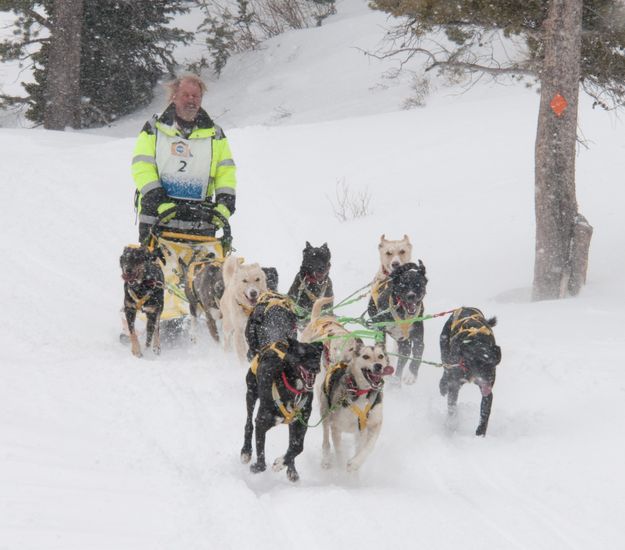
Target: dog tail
[318,306]
[491,322]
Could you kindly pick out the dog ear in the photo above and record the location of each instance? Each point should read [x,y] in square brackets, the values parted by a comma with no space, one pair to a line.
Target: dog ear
[359,345]
[230,267]
[497,354]
[421,267]
[382,239]
[308,246]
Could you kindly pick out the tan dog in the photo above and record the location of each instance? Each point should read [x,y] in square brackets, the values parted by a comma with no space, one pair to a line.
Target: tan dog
[351,401]
[243,284]
[338,347]
[392,255]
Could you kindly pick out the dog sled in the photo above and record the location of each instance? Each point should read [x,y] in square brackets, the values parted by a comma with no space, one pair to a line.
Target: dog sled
[181,254]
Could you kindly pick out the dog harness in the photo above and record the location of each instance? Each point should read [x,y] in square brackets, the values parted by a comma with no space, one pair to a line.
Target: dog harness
[301,396]
[353,391]
[377,289]
[303,287]
[403,324]
[466,326]
[140,302]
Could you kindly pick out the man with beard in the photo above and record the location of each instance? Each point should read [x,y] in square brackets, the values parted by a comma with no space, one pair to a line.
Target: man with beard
[182,157]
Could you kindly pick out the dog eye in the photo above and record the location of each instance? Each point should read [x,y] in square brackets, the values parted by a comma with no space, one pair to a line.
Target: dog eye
[257,279]
[380,356]
[366,357]
[402,251]
[245,280]
[389,253]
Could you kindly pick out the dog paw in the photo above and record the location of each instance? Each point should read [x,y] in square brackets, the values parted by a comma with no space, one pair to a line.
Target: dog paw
[246,456]
[156,350]
[258,467]
[292,474]
[326,463]
[278,464]
[481,431]
[353,465]
[410,379]
[137,353]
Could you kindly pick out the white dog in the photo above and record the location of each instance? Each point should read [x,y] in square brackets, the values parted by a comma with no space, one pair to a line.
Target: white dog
[392,255]
[243,284]
[351,401]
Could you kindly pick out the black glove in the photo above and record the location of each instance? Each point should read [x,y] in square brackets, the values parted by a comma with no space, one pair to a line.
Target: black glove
[152,199]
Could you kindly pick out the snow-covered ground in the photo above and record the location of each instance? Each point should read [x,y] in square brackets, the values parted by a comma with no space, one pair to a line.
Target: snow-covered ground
[100,450]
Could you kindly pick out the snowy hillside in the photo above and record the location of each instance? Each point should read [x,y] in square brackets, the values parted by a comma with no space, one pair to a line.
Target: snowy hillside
[99,450]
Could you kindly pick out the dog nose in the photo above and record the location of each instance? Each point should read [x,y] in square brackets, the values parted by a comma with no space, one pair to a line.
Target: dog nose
[395,264]
[411,295]
[377,367]
[253,293]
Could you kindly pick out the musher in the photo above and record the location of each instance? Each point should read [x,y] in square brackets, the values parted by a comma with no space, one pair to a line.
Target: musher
[183,157]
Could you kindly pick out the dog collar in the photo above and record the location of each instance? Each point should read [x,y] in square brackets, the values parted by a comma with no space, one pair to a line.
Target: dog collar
[288,386]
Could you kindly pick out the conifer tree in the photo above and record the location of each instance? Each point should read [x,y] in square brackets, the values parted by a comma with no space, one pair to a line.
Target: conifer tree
[126,47]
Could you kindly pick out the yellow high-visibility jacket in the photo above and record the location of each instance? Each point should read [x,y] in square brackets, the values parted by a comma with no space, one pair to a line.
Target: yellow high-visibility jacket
[193,168]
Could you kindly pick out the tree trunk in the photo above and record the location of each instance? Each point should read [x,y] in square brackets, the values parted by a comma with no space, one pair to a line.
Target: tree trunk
[556,271]
[62,92]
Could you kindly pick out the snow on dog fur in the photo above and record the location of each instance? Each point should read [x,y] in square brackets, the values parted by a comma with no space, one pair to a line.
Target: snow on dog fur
[243,284]
[351,401]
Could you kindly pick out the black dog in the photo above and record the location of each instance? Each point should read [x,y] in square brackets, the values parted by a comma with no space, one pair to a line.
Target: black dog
[396,301]
[470,353]
[143,291]
[272,319]
[272,278]
[282,379]
[313,279]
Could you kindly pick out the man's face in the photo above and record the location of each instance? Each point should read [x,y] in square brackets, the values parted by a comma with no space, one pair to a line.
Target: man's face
[188,100]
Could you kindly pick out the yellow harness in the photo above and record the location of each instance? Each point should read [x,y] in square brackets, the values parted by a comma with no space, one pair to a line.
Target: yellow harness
[405,324]
[361,414]
[377,289]
[139,302]
[273,299]
[460,326]
[289,415]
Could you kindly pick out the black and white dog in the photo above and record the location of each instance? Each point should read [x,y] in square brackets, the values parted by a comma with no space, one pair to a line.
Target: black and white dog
[143,291]
[351,401]
[396,302]
[470,354]
[313,279]
[282,380]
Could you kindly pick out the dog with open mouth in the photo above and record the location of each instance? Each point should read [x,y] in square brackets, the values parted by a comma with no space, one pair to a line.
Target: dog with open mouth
[282,379]
[351,402]
[397,304]
[470,354]
[243,285]
[143,291]
[313,279]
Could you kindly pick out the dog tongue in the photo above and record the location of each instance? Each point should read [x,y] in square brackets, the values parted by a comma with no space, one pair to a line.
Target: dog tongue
[388,370]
